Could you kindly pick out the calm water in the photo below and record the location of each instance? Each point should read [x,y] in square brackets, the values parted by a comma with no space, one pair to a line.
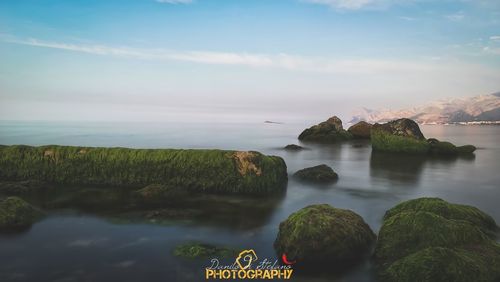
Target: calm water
[73,246]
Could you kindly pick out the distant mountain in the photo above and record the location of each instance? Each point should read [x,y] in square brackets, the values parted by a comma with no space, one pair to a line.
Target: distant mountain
[477,109]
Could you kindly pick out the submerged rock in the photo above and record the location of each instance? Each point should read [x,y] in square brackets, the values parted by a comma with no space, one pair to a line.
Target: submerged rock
[216,171]
[293,147]
[15,214]
[404,136]
[361,130]
[321,234]
[320,173]
[428,239]
[194,250]
[326,132]
[160,194]
[11,188]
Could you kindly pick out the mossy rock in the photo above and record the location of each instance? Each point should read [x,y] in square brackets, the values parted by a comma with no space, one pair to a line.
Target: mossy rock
[194,250]
[15,188]
[428,239]
[446,148]
[361,130]
[160,194]
[400,136]
[213,171]
[404,136]
[17,214]
[319,174]
[329,131]
[466,149]
[448,264]
[321,233]
[293,147]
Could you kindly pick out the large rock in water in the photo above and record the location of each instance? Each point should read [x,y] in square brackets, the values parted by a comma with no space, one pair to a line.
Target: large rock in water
[326,132]
[404,136]
[215,171]
[428,239]
[320,174]
[361,130]
[321,234]
[193,250]
[16,214]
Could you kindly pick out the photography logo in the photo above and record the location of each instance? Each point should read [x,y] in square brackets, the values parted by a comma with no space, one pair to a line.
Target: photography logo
[248,266]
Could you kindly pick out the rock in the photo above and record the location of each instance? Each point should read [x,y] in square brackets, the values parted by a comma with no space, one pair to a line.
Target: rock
[403,127]
[446,148]
[293,147]
[11,188]
[161,194]
[172,214]
[428,239]
[404,136]
[17,214]
[209,171]
[361,130]
[326,132]
[466,149]
[320,173]
[193,250]
[321,234]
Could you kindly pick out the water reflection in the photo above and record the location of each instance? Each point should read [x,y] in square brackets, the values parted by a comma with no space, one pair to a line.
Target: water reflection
[234,212]
[407,168]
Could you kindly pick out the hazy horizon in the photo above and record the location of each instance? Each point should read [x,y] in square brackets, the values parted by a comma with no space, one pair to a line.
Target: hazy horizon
[168,60]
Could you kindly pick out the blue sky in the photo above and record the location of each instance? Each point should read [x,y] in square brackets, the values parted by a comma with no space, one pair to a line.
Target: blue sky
[263,59]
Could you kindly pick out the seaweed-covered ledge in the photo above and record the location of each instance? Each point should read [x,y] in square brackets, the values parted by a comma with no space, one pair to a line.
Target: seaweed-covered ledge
[214,171]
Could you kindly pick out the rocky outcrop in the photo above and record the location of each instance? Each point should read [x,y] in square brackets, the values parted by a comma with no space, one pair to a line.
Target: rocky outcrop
[12,188]
[158,194]
[215,171]
[361,130]
[320,174]
[326,132]
[293,147]
[404,136]
[17,214]
[320,234]
[428,239]
[193,250]
[447,148]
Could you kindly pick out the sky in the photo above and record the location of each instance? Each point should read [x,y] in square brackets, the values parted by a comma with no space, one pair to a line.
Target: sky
[164,60]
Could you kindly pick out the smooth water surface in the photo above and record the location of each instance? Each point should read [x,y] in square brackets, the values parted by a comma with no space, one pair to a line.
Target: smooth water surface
[74,246]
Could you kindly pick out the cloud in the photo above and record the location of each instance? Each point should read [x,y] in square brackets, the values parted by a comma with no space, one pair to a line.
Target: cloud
[410,19]
[344,4]
[282,61]
[279,61]
[492,50]
[175,1]
[359,4]
[495,38]
[458,16]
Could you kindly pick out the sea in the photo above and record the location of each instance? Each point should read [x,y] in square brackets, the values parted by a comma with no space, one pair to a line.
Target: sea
[74,245]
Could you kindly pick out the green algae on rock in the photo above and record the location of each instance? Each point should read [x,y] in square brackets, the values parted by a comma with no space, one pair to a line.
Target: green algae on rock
[160,194]
[319,234]
[329,131]
[17,214]
[404,136]
[193,250]
[428,239]
[361,130]
[320,174]
[215,171]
